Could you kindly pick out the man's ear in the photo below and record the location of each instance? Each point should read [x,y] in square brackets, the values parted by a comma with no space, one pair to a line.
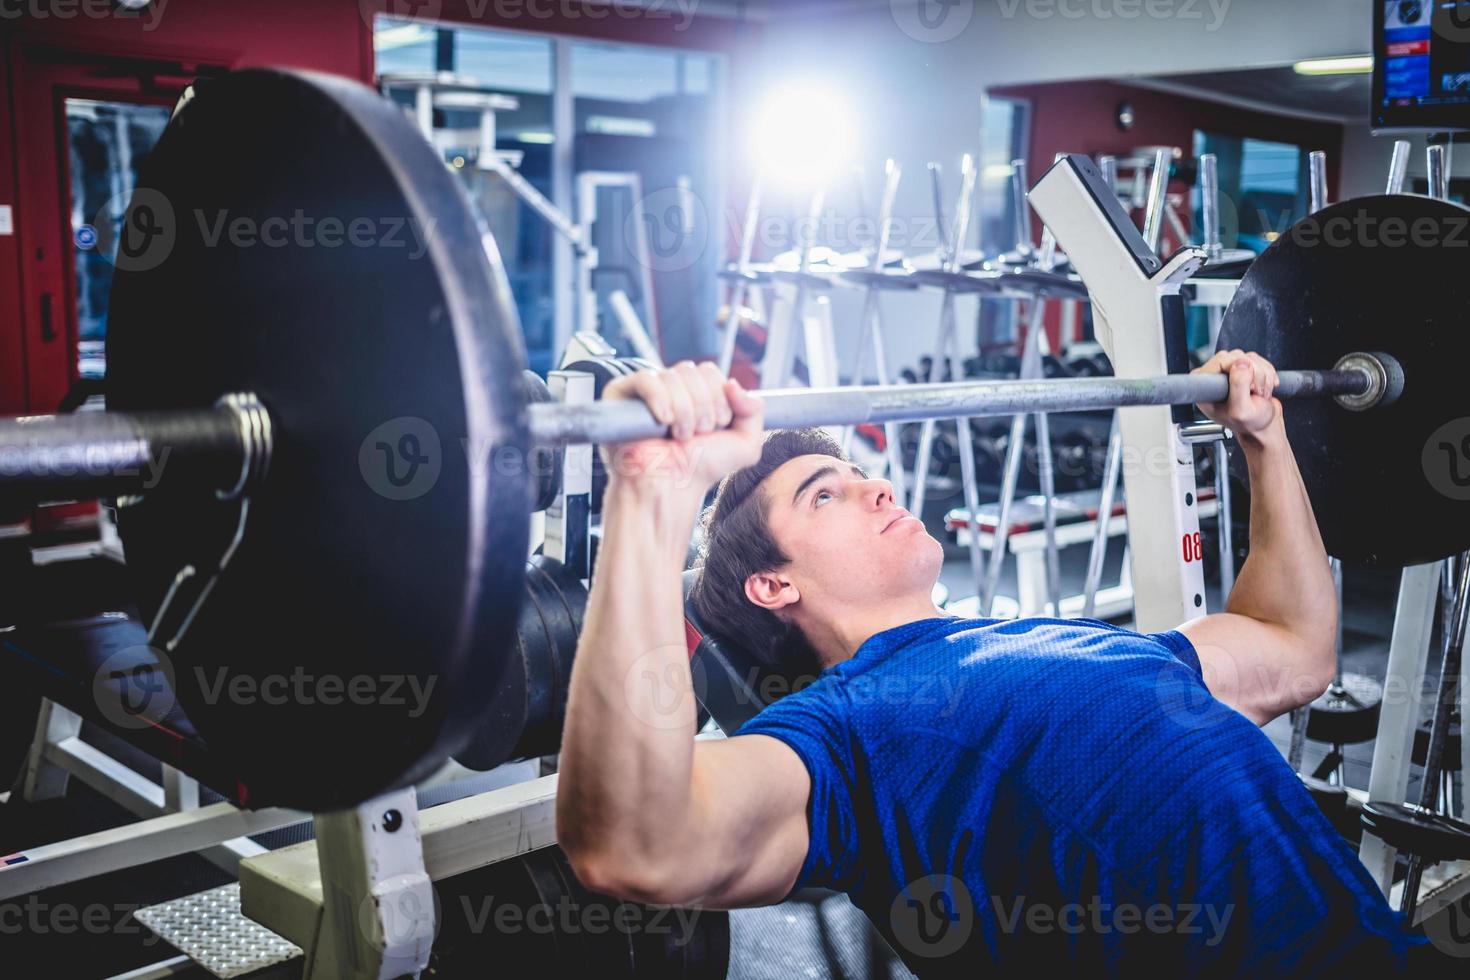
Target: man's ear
[770,590]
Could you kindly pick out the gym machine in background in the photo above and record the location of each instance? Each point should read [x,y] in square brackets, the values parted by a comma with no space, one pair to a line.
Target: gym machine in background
[447,91]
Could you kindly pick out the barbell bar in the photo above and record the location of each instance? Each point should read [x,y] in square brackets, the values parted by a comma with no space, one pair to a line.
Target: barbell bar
[227,448]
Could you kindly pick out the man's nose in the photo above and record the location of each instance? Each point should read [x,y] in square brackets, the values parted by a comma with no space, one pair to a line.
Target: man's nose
[878,492]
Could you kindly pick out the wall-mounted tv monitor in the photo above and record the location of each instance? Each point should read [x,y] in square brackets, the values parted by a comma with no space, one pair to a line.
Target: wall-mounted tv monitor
[1421,64]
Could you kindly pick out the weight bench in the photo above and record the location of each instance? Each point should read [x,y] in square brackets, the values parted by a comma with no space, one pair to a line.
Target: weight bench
[732,687]
[99,669]
[1076,522]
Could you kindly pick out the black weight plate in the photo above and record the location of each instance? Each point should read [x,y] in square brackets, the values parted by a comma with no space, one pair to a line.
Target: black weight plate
[315,251]
[562,600]
[484,919]
[1405,827]
[1389,486]
[542,735]
[563,911]
[1346,714]
[503,719]
[609,924]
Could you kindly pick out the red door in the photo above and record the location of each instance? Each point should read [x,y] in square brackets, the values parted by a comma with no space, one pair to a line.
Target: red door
[83,124]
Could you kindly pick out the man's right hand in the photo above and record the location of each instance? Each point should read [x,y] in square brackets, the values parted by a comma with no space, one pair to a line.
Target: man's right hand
[715,427]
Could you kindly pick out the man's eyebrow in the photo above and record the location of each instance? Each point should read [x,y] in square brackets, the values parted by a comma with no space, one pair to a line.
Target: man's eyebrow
[820,473]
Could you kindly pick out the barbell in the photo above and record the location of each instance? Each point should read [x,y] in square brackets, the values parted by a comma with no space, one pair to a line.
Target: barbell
[317,429]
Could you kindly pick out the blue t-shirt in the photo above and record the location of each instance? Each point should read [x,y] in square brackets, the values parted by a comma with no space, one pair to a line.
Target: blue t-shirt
[1052,792]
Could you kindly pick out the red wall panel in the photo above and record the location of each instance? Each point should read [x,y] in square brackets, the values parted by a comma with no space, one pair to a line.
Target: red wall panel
[325,35]
[1080,117]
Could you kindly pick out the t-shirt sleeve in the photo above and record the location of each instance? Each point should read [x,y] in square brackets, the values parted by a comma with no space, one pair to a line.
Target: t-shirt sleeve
[1179,645]
[814,724]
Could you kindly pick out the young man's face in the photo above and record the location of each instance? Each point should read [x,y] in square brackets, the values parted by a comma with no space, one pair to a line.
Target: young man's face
[846,537]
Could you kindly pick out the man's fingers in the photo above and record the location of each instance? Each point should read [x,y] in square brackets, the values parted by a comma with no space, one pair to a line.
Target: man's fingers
[1242,377]
[1266,372]
[715,382]
[683,405]
[699,396]
[748,412]
[646,385]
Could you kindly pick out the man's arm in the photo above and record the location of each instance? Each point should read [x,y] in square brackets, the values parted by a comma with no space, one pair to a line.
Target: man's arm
[1274,647]
[643,811]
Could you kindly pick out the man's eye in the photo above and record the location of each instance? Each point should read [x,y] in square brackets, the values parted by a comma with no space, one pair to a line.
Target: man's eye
[820,495]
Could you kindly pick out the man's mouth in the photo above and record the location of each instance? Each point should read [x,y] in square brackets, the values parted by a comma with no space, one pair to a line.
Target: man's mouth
[898,515]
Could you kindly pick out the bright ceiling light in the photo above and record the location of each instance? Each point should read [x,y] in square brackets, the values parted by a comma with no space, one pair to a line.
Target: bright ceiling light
[804,134]
[1359,64]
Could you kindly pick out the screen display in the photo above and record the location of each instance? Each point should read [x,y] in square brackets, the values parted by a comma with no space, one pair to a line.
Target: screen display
[1421,64]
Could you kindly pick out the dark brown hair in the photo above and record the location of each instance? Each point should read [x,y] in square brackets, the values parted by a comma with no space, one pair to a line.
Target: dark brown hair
[737,544]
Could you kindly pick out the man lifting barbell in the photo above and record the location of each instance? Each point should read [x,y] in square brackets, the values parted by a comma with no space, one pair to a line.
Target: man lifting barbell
[988,792]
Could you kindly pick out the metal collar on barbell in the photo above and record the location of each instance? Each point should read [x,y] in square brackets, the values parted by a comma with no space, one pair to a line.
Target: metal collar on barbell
[1385,380]
[256,440]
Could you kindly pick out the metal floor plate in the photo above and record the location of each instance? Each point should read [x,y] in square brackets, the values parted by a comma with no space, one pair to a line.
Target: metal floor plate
[210,928]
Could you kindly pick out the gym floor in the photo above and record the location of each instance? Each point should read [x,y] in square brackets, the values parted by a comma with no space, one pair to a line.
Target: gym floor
[819,936]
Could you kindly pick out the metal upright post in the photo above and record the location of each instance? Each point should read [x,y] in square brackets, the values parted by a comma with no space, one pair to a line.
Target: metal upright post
[1137,311]
[871,331]
[1317,167]
[1158,188]
[1399,167]
[947,344]
[1398,717]
[742,267]
[1108,165]
[1439,179]
[790,305]
[1210,213]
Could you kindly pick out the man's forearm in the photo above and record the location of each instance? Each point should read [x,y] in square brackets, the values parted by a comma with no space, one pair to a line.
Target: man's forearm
[1285,581]
[628,746]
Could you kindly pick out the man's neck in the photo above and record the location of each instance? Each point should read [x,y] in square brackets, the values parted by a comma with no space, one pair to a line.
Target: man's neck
[837,634]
